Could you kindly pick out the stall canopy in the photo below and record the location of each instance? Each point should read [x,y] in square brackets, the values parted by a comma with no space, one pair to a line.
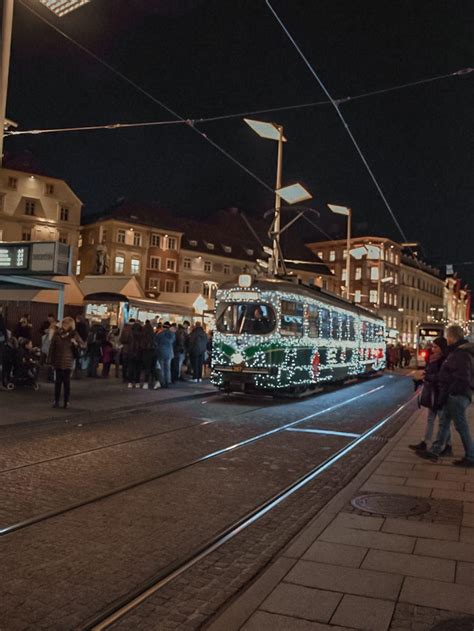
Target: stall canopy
[124,285]
[56,290]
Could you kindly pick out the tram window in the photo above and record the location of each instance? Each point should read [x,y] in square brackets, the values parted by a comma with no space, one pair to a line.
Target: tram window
[245,317]
[313,321]
[351,334]
[325,320]
[291,318]
[336,328]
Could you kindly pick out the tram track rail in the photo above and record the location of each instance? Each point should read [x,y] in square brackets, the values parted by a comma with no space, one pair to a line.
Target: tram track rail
[43,517]
[122,606]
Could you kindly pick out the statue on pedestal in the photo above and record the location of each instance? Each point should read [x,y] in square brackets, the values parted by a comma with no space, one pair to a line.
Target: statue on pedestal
[101,259]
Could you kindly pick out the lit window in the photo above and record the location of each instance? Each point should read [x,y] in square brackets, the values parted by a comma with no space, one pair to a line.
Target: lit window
[135,266]
[79,241]
[390,299]
[119,264]
[49,189]
[320,255]
[155,262]
[121,236]
[103,235]
[397,261]
[385,297]
[62,238]
[30,207]
[170,285]
[226,269]
[64,213]
[394,322]
[373,297]
[137,239]
[155,240]
[78,267]
[13,183]
[26,235]
[207,266]
[186,262]
[332,255]
[171,265]
[396,278]
[171,244]
[357,295]
[344,274]
[395,299]
[154,283]
[374,273]
[227,248]
[389,321]
[358,273]
[91,239]
[193,242]
[186,287]
[344,254]
[209,246]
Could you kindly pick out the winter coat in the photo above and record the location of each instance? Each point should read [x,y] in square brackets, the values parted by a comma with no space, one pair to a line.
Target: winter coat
[430,393]
[197,341]
[148,342]
[61,350]
[180,341]
[125,337]
[164,344]
[83,330]
[456,376]
[23,331]
[135,342]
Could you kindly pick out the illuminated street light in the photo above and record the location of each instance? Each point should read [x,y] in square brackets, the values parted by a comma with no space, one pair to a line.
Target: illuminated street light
[63,7]
[294,193]
[270,131]
[347,212]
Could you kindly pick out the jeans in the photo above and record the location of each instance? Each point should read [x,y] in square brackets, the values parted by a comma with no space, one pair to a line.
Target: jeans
[454,410]
[63,378]
[430,421]
[134,370]
[165,365]
[197,361]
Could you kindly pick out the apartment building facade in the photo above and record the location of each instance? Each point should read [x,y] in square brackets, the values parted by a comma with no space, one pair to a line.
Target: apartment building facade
[38,208]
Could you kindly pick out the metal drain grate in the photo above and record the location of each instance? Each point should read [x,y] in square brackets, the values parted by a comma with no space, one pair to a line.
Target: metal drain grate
[385,504]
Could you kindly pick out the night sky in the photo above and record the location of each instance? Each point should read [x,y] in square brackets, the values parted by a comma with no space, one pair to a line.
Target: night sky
[210,57]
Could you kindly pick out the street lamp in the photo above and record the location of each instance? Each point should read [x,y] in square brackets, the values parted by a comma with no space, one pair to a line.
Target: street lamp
[291,194]
[347,212]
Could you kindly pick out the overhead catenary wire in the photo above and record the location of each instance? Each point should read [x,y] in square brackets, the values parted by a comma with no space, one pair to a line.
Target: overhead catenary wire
[223,117]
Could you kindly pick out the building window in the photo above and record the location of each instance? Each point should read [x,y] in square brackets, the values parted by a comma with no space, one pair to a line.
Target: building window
[193,243]
[79,241]
[26,235]
[186,262]
[394,321]
[397,259]
[357,295]
[385,297]
[374,273]
[155,262]
[64,213]
[226,269]
[207,266]
[137,239]
[344,254]
[186,287]
[154,283]
[344,274]
[227,249]
[30,207]
[121,236]
[390,299]
[90,238]
[395,300]
[49,188]
[103,235]
[119,264]
[332,255]
[373,295]
[78,267]
[171,244]
[320,255]
[171,265]
[13,183]
[358,274]
[170,285]
[209,246]
[135,266]
[155,240]
[396,278]
[62,238]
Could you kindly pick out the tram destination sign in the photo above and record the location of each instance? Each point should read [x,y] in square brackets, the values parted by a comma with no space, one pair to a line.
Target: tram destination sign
[37,258]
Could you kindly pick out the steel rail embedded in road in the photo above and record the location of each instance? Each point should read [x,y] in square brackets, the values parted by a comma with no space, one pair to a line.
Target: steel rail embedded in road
[121,607]
[6,530]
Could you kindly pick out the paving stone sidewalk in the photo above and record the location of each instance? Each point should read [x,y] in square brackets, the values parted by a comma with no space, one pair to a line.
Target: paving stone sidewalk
[351,569]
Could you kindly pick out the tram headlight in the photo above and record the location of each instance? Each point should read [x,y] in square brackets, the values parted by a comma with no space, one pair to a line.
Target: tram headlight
[237,358]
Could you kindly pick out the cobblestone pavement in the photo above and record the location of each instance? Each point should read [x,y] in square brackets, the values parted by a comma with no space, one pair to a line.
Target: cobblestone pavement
[56,574]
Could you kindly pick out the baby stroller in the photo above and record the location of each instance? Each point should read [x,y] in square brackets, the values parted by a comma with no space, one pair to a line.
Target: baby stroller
[25,367]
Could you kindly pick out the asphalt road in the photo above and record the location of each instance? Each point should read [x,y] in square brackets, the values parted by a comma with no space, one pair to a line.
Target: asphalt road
[90,510]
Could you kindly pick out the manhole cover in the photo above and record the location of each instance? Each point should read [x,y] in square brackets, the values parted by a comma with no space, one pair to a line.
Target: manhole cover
[390,504]
[455,624]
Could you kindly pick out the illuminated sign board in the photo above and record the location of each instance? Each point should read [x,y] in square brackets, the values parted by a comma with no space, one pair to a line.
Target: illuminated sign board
[37,258]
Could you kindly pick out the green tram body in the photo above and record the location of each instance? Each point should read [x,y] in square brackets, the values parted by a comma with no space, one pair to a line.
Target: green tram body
[277,336]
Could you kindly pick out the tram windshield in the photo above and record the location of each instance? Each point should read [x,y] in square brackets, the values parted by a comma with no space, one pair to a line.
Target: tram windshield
[254,318]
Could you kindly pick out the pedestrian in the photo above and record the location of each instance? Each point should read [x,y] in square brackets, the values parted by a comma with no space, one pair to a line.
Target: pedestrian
[3,336]
[135,355]
[97,336]
[23,329]
[164,344]
[149,356]
[179,353]
[8,358]
[430,395]
[197,345]
[456,383]
[125,338]
[113,338]
[48,333]
[406,356]
[62,354]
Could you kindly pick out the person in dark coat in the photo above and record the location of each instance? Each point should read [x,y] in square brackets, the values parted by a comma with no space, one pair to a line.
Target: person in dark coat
[135,355]
[63,351]
[197,345]
[456,381]
[23,329]
[164,344]
[430,395]
[179,354]
[149,356]
[125,337]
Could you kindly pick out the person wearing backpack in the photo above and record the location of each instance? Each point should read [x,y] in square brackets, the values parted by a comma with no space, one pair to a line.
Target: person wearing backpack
[430,395]
[456,383]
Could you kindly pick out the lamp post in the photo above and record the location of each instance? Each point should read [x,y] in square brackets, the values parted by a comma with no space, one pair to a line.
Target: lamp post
[291,194]
[347,212]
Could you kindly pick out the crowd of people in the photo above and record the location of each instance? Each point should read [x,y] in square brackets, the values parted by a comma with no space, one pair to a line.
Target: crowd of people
[398,356]
[149,355]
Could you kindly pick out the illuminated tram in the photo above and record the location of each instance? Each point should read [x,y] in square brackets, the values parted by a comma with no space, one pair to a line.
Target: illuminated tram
[274,335]
[426,333]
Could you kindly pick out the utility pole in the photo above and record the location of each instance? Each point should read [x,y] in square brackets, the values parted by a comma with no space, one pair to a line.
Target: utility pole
[277,220]
[7,23]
